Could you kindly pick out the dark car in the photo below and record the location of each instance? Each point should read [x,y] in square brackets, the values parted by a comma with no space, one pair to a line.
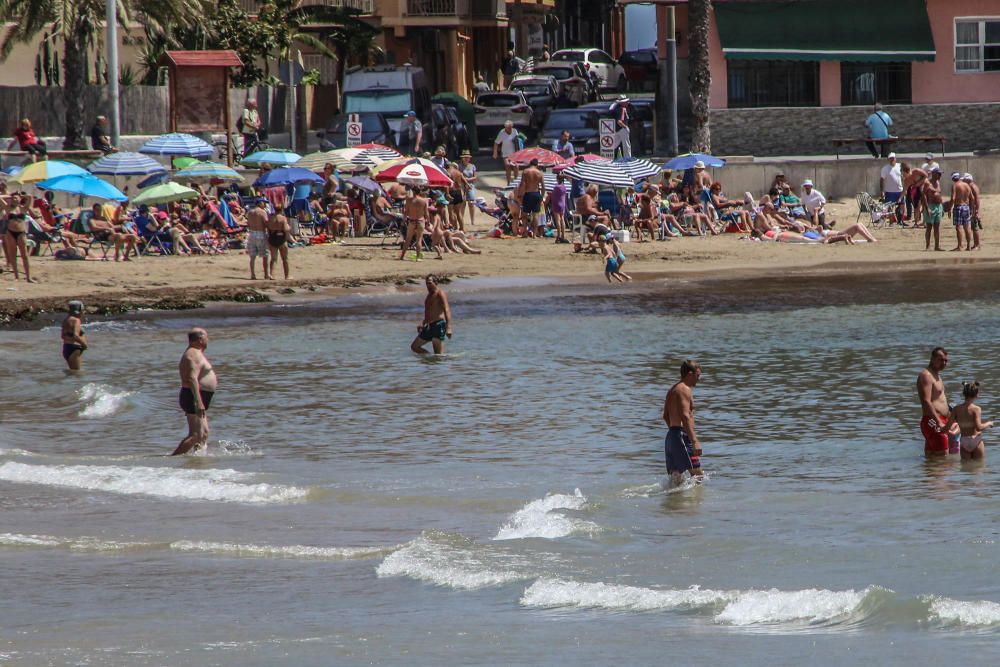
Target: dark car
[541,93]
[582,126]
[443,131]
[374,130]
[640,68]
[459,129]
[642,122]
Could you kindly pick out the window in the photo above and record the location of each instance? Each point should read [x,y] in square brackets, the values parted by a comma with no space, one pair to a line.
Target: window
[977,45]
[390,102]
[868,83]
[600,57]
[773,83]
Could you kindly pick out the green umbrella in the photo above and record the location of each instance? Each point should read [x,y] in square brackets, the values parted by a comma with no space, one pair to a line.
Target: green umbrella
[164,193]
[184,162]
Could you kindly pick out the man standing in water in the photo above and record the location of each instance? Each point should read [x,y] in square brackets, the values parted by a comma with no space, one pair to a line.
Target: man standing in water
[437,319]
[198,385]
[934,404]
[681,447]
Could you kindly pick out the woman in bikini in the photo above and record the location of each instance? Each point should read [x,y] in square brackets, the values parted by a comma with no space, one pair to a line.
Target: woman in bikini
[278,232]
[16,238]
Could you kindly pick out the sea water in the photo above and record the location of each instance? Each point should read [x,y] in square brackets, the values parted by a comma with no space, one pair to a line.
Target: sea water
[507,503]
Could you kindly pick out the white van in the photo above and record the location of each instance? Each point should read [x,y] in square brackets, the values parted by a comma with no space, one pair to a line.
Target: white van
[391,90]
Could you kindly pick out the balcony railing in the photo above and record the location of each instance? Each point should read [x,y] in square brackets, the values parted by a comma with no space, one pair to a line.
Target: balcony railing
[468,9]
[363,6]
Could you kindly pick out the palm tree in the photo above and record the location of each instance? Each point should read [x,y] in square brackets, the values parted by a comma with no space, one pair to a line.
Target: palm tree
[78,23]
[699,74]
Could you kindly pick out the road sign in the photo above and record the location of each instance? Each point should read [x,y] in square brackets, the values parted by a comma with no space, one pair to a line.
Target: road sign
[353,129]
[607,137]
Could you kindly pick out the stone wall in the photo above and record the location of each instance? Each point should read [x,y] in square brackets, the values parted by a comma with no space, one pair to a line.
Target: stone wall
[809,130]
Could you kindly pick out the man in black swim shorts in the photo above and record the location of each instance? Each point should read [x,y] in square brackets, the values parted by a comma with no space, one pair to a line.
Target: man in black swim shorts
[437,320]
[681,447]
[198,385]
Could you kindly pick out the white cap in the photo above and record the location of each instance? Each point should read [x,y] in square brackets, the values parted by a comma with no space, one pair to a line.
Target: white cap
[966,176]
[807,182]
[929,156]
[699,165]
[892,156]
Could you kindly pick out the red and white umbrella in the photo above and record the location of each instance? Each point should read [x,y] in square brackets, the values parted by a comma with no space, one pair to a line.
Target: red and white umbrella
[585,157]
[545,157]
[417,171]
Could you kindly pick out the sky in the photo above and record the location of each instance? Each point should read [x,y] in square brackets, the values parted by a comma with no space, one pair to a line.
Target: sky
[640,27]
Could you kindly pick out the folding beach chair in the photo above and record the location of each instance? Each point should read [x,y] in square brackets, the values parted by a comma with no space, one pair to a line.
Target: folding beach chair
[43,240]
[879,213]
[82,226]
[159,241]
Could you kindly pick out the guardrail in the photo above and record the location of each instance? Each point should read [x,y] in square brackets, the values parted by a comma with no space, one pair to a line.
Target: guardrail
[363,6]
[472,9]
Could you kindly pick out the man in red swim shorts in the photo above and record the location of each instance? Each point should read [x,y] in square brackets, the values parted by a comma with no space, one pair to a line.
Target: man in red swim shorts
[934,404]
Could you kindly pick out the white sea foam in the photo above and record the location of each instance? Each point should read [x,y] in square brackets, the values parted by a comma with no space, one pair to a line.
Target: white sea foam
[101,400]
[774,606]
[539,518]
[219,485]
[558,593]
[975,613]
[74,544]
[15,540]
[454,561]
[292,551]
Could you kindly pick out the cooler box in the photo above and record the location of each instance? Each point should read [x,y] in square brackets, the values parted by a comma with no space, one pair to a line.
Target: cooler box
[622,235]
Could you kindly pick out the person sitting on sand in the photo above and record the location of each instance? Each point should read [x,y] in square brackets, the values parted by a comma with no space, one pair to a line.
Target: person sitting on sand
[730,211]
[969,418]
[648,218]
[339,218]
[105,232]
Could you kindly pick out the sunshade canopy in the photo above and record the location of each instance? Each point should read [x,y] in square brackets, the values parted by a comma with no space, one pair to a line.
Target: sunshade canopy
[848,30]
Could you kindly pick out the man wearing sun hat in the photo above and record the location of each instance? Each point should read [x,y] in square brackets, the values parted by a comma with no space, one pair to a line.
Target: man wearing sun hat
[977,222]
[813,202]
[623,133]
[410,134]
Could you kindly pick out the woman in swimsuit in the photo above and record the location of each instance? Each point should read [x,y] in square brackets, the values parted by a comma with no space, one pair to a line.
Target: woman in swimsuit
[469,171]
[278,232]
[16,238]
[969,418]
[73,337]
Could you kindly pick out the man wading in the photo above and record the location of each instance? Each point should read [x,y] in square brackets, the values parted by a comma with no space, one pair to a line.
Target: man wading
[198,385]
[681,447]
[437,320]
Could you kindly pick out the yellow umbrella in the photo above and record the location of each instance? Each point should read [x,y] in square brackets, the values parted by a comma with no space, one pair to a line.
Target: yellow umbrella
[46,169]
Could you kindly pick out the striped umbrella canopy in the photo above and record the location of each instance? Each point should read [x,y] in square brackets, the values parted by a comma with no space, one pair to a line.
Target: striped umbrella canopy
[547,177]
[177,143]
[206,171]
[416,171]
[287,176]
[371,155]
[637,168]
[46,169]
[126,164]
[318,160]
[601,173]
[545,157]
[84,185]
[164,194]
[273,156]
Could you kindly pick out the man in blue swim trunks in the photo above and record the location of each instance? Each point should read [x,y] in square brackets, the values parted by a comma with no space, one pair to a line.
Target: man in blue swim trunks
[681,447]
[437,319]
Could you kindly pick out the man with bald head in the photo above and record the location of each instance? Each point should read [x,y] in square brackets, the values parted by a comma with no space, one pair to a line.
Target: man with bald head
[198,385]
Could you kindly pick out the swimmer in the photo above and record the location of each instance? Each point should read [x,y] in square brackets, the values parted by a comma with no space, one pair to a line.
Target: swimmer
[437,319]
[198,385]
[969,418]
[681,447]
[73,337]
[934,404]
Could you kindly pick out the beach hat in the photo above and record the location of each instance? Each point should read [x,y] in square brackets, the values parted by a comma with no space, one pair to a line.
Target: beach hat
[936,170]
[929,156]
[466,153]
[699,165]
[956,175]
[807,182]
[411,114]
[966,176]
[623,99]
[75,307]
[161,215]
[891,156]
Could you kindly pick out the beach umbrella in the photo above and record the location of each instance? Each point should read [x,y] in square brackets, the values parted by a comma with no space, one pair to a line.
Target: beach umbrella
[273,156]
[184,162]
[84,185]
[286,176]
[547,177]
[601,173]
[686,161]
[364,183]
[416,171]
[206,171]
[126,164]
[318,160]
[583,157]
[370,155]
[9,172]
[46,169]
[637,168]
[164,194]
[155,179]
[545,157]
[177,143]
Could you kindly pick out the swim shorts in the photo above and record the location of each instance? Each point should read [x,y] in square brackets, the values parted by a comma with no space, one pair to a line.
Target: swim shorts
[257,244]
[935,437]
[531,202]
[612,265]
[186,399]
[893,196]
[70,348]
[932,214]
[434,330]
[679,451]
[962,215]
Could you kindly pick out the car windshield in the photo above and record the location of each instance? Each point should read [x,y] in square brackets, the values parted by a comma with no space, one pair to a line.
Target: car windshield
[571,56]
[498,100]
[571,120]
[537,89]
[559,73]
[637,58]
[388,102]
[369,121]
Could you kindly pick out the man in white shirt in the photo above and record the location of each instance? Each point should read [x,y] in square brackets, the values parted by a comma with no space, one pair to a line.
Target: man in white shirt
[250,127]
[930,165]
[506,144]
[891,180]
[813,202]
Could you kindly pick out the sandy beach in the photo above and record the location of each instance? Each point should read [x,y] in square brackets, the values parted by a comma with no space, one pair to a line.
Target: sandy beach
[186,281]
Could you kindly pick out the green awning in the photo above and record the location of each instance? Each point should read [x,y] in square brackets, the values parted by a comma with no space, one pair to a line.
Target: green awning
[849,30]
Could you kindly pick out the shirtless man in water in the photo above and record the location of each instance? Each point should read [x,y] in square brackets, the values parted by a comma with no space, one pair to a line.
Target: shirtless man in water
[437,320]
[416,214]
[198,385]
[934,404]
[681,447]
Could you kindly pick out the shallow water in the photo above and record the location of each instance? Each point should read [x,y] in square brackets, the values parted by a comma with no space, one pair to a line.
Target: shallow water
[505,504]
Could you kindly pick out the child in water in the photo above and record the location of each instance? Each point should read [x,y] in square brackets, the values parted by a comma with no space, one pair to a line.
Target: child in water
[969,416]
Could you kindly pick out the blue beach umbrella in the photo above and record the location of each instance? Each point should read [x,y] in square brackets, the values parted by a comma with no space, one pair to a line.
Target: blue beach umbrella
[275,157]
[177,143]
[155,179]
[84,185]
[364,183]
[126,164]
[287,176]
[686,161]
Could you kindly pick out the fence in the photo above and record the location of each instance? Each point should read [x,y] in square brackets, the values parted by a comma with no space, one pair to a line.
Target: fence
[144,108]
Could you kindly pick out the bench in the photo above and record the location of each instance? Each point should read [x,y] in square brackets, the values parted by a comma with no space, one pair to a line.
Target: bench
[840,143]
[86,155]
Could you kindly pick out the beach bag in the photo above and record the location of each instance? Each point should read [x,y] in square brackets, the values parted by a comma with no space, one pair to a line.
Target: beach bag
[69,253]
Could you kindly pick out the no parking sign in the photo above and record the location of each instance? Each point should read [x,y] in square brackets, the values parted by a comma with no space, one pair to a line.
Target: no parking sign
[353,129]
[608,137]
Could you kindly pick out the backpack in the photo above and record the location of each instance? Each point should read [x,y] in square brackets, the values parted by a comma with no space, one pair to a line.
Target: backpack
[239,123]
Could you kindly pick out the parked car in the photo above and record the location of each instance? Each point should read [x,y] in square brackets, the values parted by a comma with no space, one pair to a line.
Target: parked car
[575,85]
[640,68]
[541,93]
[442,131]
[582,126]
[460,130]
[642,122]
[493,109]
[374,130]
[610,75]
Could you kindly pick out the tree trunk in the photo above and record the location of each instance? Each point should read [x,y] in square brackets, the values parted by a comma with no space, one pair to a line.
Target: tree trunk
[699,75]
[75,76]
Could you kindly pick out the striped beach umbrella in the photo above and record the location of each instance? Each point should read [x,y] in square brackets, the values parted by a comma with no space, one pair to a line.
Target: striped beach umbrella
[370,155]
[416,171]
[126,164]
[272,156]
[318,160]
[601,173]
[545,157]
[547,177]
[206,171]
[583,157]
[637,168]
[46,169]
[177,143]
